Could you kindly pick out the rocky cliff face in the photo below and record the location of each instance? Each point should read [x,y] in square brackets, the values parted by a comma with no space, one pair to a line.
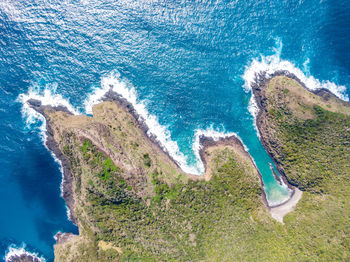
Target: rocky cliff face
[131,201]
[129,198]
[23,258]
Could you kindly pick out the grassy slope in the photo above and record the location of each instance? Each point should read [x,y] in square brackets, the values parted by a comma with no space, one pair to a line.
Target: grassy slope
[140,207]
[310,137]
[145,208]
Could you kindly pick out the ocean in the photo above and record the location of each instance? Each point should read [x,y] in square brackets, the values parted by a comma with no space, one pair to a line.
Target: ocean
[186,66]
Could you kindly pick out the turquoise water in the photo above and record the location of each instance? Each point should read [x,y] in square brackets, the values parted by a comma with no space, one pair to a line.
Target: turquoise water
[189,63]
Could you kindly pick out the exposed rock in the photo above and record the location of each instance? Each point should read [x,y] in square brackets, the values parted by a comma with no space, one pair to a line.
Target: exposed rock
[23,258]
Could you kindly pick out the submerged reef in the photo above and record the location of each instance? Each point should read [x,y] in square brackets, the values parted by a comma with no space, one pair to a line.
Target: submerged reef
[131,201]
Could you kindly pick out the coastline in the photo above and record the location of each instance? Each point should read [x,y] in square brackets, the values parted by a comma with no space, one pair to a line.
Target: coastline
[67,177]
[204,141]
[258,93]
[258,89]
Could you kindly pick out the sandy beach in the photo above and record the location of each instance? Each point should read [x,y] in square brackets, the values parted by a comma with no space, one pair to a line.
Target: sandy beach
[280,211]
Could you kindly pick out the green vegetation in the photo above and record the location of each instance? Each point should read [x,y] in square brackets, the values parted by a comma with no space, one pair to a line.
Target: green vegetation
[134,205]
[314,152]
[180,217]
[146,160]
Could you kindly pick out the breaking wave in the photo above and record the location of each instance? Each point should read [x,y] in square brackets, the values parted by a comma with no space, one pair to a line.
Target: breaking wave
[35,120]
[114,82]
[14,252]
[273,63]
[48,96]
[215,135]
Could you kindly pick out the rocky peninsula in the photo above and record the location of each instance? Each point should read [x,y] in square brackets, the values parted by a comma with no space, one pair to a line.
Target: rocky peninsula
[131,201]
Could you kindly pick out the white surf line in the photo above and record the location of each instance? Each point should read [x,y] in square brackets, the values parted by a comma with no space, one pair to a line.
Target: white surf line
[127,91]
[46,97]
[155,129]
[160,132]
[210,133]
[14,251]
[272,64]
[33,118]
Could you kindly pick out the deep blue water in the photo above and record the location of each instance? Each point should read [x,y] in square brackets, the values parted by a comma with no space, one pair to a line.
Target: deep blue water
[185,59]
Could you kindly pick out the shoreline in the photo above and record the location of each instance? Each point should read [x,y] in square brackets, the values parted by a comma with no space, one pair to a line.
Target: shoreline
[204,141]
[258,93]
[67,177]
[258,89]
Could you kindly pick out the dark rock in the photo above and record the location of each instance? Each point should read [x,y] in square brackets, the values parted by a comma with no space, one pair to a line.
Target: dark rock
[23,258]
[67,187]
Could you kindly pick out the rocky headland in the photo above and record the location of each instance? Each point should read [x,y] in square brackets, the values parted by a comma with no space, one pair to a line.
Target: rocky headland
[131,201]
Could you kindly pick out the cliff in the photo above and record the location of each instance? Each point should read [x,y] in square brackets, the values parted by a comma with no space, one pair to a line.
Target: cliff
[132,202]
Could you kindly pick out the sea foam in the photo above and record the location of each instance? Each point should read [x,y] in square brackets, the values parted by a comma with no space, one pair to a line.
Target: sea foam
[46,97]
[269,65]
[14,251]
[33,119]
[114,82]
[160,132]
[211,133]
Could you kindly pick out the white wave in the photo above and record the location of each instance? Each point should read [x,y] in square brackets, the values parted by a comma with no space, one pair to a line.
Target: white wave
[32,118]
[114,82]
[254,110]
[15,251]
[155,129]
[211,133]
[127,91]
[273,63]
[253,107]
[96,96]
[46,97]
